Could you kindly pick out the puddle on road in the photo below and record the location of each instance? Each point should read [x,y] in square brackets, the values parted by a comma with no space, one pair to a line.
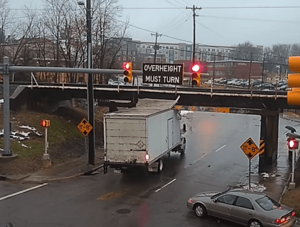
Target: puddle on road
[112,195]
[123,211]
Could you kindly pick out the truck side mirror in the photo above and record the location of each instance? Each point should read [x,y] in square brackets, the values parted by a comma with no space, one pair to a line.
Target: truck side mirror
[184,128]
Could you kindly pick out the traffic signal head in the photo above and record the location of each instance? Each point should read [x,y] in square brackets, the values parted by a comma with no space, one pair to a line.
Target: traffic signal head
[293,143]
[127,66]
[196,69]
[45,123]
[293,96]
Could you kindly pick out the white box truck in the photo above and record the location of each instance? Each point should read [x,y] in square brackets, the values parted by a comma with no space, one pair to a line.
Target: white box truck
[139,137]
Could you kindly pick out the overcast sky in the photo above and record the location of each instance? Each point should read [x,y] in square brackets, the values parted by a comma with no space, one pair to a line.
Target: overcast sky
[219,22]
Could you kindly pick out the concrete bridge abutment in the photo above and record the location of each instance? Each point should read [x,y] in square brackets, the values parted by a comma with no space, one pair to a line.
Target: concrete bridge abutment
[268,153]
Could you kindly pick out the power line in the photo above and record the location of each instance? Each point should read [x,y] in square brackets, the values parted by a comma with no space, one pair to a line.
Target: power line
[221,7]
[154,32]
[251,19]
[211,30]
[183,12]
[179,3]
[177,19]
[186,2]
[177,24]
[253,7]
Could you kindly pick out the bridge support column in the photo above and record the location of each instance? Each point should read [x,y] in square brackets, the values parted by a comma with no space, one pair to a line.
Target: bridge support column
[262,140]
[268,142]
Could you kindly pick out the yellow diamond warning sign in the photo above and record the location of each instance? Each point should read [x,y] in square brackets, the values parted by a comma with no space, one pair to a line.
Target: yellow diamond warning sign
[84,127]
[250,149]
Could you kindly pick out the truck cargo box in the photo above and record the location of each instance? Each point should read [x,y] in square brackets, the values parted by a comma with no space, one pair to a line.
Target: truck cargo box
[140,136]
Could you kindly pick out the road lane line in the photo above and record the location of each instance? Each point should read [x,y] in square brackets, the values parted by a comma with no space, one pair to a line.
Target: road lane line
[220,148]
[157,190]
[21,192]
[202,156]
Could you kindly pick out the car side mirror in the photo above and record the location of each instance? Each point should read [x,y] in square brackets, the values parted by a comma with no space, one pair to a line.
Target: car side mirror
[215,200]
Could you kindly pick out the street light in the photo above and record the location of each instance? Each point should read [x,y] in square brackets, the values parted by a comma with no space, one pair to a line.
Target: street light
[90,82]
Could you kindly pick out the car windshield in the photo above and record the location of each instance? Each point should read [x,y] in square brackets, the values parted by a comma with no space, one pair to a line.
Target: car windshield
[267,203]
[218,194]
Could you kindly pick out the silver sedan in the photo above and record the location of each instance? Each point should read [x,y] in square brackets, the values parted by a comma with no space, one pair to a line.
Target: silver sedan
[253,209]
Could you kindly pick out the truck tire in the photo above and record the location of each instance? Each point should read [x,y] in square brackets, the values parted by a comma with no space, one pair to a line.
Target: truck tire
[183,145]
[160,165]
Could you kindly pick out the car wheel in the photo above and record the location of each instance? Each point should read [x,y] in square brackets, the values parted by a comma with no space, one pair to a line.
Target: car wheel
[254,223]
[200,211]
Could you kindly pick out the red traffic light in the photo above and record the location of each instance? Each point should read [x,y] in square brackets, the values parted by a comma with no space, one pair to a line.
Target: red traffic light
[196,68]
[126,65]
[293,143]
[45,123]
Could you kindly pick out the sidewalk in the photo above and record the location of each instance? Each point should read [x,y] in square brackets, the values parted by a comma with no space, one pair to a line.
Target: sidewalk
[274,182]
[74,168]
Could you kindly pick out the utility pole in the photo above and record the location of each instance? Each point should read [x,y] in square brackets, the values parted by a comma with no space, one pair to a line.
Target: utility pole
[156,47]
[249,79]
[194,29]
[90,85]
[90,82]
[263,68]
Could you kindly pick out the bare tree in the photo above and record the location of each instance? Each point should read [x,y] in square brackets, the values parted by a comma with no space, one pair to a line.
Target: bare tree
[230,70]
[108,34]
[67,24]
[295,49]
[247,51]
[281,52]
[5,22]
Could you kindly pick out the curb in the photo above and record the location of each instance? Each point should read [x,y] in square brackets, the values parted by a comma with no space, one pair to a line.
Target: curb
[86,173]
[285,189]
[290,118]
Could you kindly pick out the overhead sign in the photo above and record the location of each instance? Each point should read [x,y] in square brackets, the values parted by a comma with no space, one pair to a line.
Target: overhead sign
[250,149]
[84,127]
[163,73]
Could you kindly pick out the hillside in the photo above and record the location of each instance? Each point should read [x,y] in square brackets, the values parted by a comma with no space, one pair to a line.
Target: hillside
[65,141]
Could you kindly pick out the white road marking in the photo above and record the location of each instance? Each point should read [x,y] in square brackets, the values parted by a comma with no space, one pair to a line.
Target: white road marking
[202,156]
[21,192]
[221,148]
[157,190]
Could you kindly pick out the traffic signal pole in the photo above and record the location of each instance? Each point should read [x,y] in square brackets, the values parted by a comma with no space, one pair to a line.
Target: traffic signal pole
[6,113]
[90,86]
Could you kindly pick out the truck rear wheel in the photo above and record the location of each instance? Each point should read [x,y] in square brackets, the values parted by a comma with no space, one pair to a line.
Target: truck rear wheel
[160,165]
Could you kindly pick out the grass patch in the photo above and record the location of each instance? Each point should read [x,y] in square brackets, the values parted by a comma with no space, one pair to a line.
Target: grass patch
[35,148]
[291,198]
[65,140]
[60,131]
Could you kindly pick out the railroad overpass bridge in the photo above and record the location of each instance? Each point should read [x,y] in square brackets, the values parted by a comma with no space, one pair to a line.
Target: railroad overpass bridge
[268,104]
[127,96]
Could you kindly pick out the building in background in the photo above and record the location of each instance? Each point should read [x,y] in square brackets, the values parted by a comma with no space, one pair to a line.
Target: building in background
[139,52]
[235,69]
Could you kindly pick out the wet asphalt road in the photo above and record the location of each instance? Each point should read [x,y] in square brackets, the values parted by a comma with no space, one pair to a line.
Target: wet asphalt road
[213,160]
